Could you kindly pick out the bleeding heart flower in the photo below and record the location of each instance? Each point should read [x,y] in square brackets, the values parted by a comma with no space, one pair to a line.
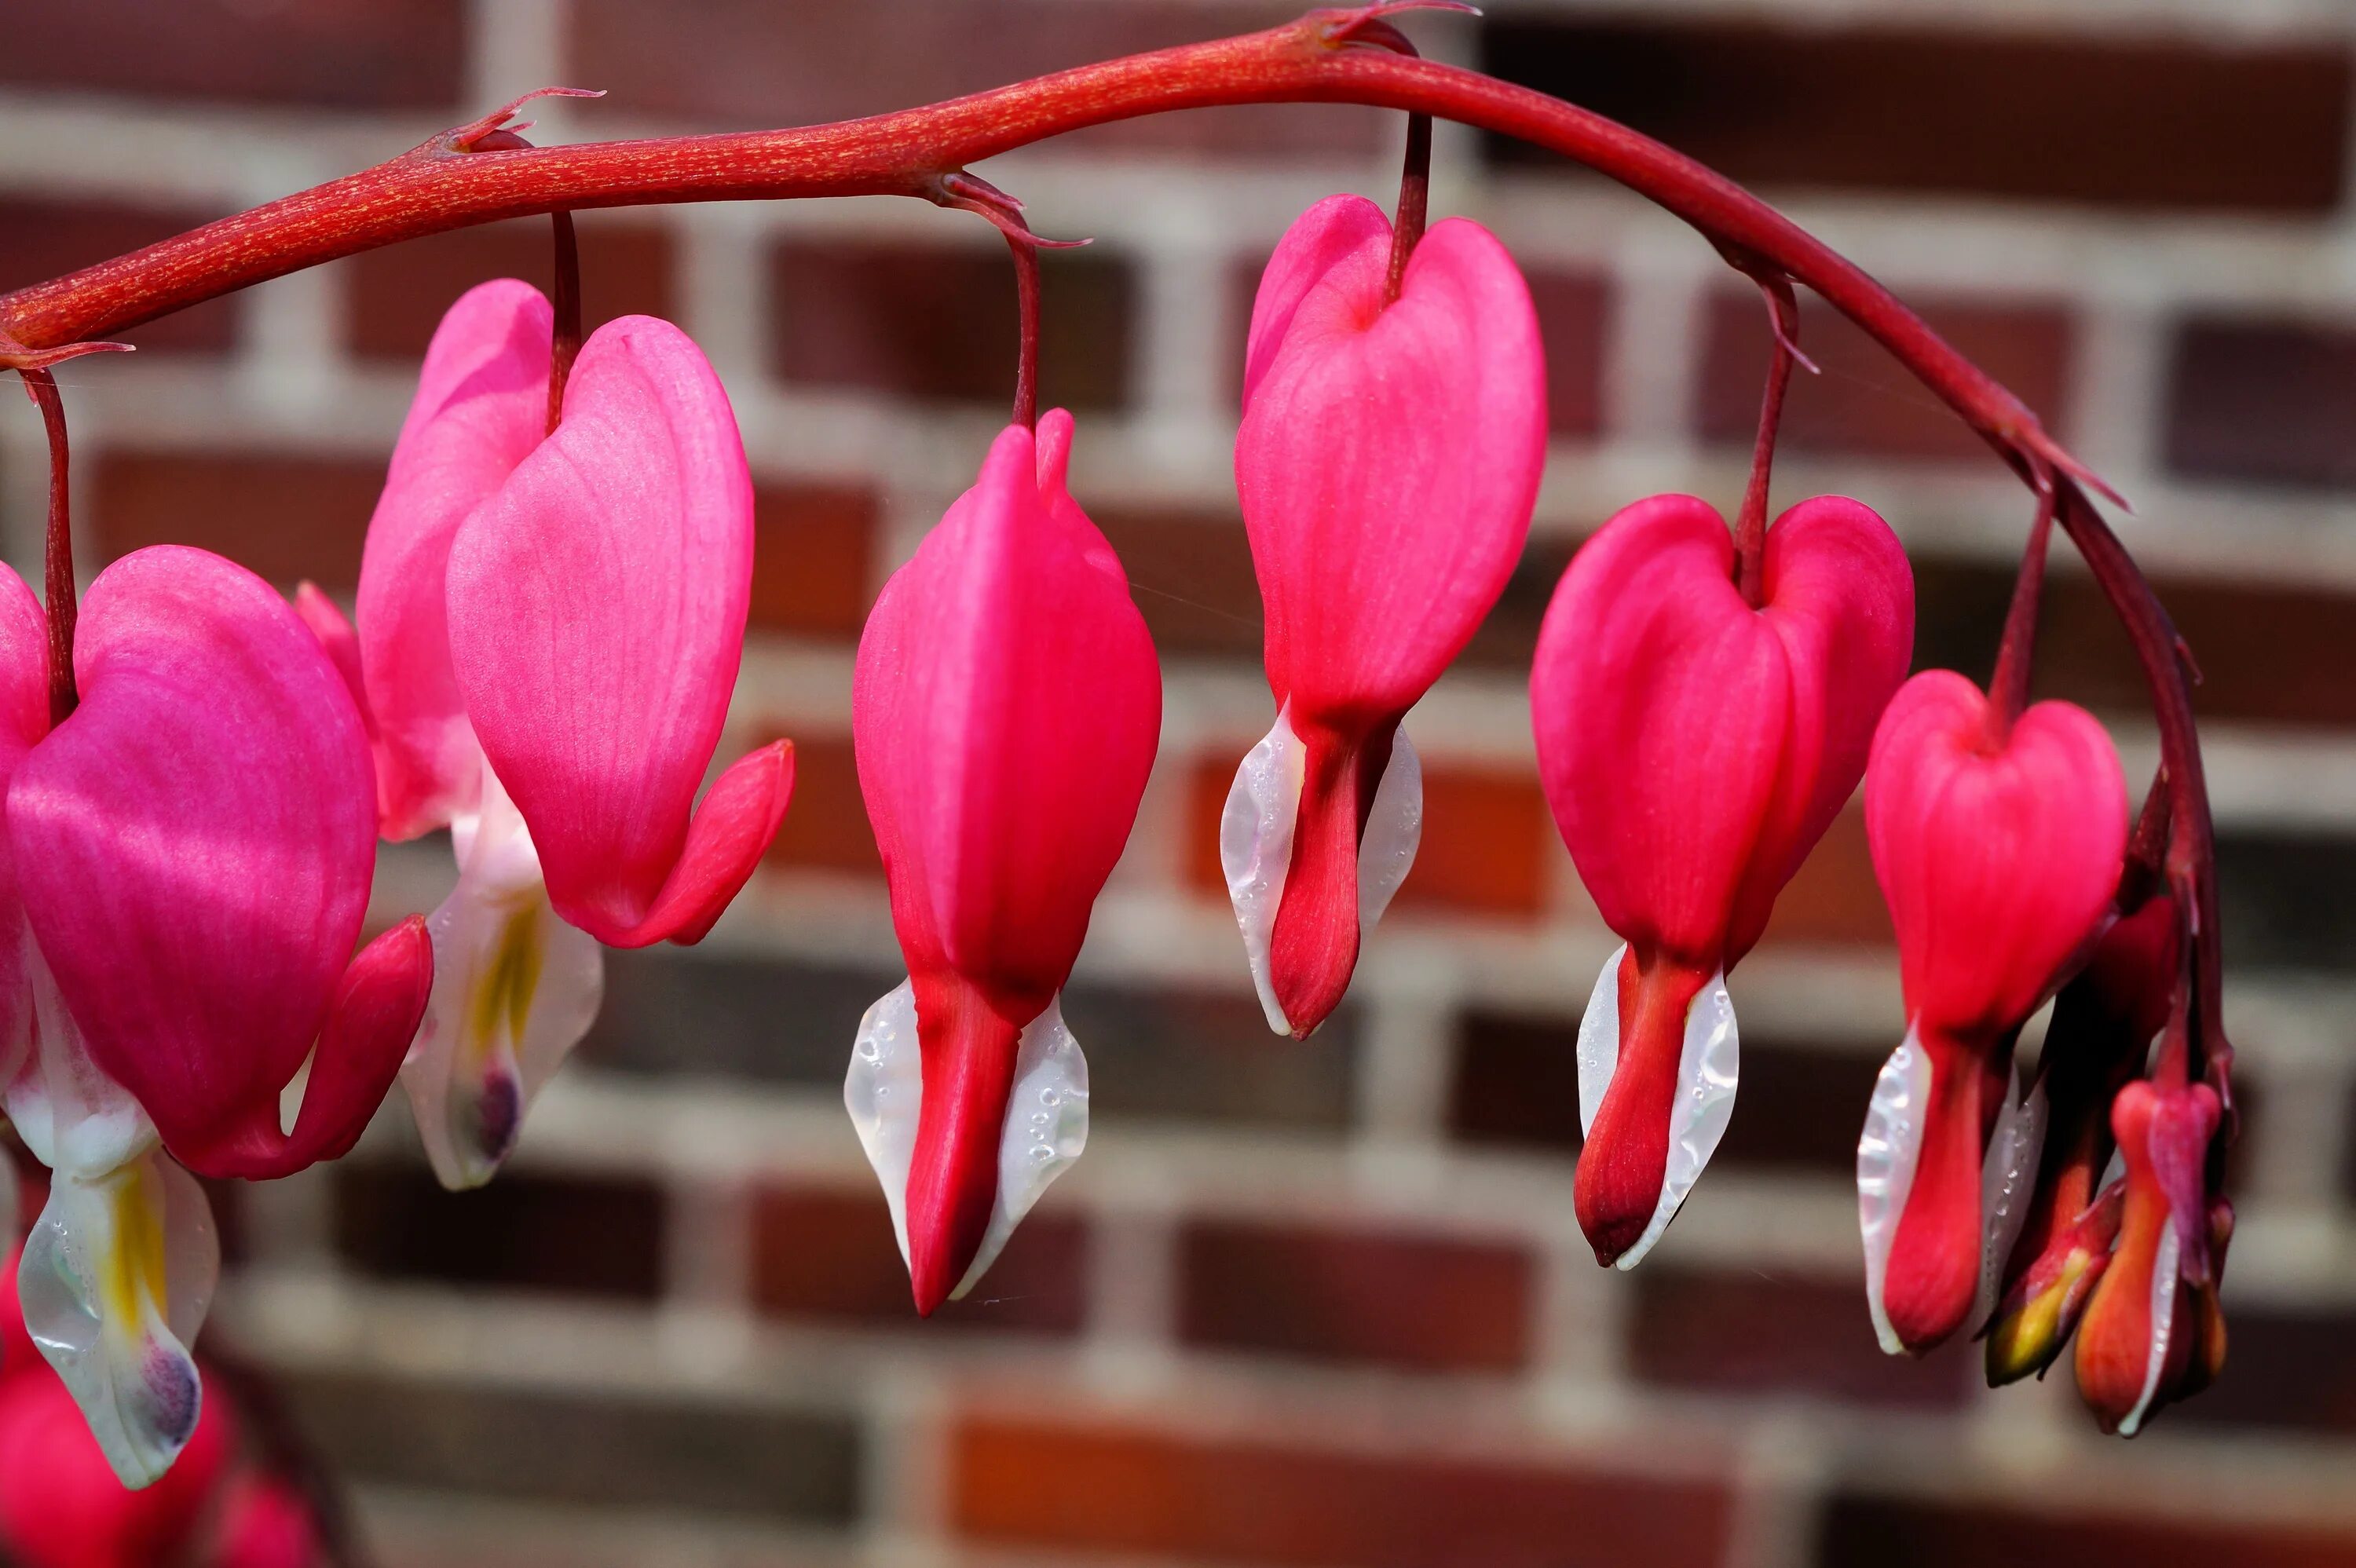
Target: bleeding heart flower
[549,626]
[61,1506]
[1388,464]
[1694,750]
[1998,849]
[2154,1332]
[2104,1023]
[1005,711]
[192,851]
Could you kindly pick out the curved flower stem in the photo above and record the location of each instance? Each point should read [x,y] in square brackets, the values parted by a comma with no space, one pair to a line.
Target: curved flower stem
[2008,686]
[58,583]
[1026,304]
[564,344]
[1414,200]
[1751,524]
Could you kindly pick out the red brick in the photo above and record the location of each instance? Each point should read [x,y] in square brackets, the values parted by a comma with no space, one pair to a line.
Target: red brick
[1833,900]
[1191,574]
[43,240]
[1420,1302]
[1873,1532]
[1744,1332]
[826,824]
[813,553]
[745,62]
[2108,118]
[1865,403]
[396,295]
[1020,1481]
[1574,317]
[938,323]
[286,518]
[829,1253]
[588,1235]
[1487,839]
[351,54]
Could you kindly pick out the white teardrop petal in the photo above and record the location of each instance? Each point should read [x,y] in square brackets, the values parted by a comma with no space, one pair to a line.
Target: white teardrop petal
[2163,1322]
[1047,1124]
[115,1280]
[73,1116]
[514,988]
[1886,1154]
[2008,1177]
[1394,829]
[1256,849]
[1708,1063]
[1599,1041]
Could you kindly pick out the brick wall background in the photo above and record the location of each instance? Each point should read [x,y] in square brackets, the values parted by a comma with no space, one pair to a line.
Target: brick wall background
[1318,1304]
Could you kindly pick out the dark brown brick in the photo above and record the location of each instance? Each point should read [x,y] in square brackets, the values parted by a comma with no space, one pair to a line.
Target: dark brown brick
[1022,1482]
[2283,900]
[2285,1367]
[43,240]
[1424,1303]
[1745,1332]
[1833,900]
[1191,574]
[528,1231]
[1167,1053]
[578,1449]
[813,550]
[829,1253]
[286,518]
[826,825]
[1574,319]
[743,63]
[1865,403]
[2111,119]
[2263,399]
[936,323]
[352,54]
[395,296]
[1872,1532]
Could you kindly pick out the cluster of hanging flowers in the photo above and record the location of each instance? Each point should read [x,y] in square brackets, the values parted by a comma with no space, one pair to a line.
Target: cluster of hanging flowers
[549,617]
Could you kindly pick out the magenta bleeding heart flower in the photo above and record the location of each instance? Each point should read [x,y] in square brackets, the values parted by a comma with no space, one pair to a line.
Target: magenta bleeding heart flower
[1693,748]
[189,860]
[1005,711]
[1998,848]
[549,625]
[1388,464]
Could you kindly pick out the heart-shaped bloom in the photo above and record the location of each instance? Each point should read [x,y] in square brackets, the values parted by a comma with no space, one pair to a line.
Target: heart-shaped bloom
[191,853]
[2104,1023]
[1005,711]
[1693,748]
[1998,849]
[2154,1332]
[1388,464]
[550,625]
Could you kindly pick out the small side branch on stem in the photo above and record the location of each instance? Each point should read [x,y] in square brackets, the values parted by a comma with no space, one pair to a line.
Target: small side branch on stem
[565,346]
[1750,523]
[2008,686]
[58,585]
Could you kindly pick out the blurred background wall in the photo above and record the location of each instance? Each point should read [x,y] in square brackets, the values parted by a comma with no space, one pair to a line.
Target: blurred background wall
[1322,1304]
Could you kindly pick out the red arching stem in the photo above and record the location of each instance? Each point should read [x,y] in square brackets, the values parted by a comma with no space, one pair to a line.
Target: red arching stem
[1026,304]
[1750,524]
[2008,686]
[1414,198]
[58,585]
[565,346]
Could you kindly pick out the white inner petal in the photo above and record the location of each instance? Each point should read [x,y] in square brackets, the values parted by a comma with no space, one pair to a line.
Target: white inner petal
[71,1115]
[1256,842]
[1886,1153]
[115,1280]
[1599,1041]
[500,954]
[2008,1177]
[1047,1124]
[2163,1322]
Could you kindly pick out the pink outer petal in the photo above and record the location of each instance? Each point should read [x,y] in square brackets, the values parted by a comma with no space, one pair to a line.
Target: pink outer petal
[1997,864]
[1006,709]
[1389,456]
[195,846]
[1661,704]
[598,612]
[481,408]
[340,643]
[24,720]
[60,1505]
[1841,597]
